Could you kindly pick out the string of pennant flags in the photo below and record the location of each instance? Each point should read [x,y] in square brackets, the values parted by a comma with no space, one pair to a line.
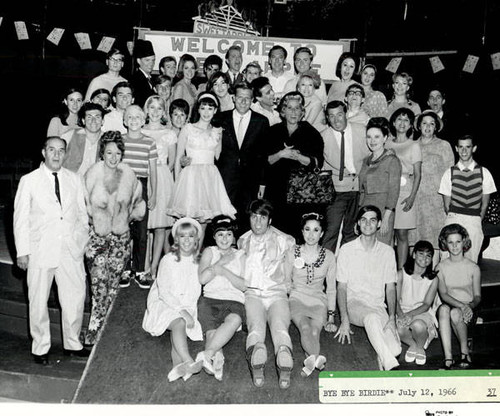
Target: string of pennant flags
[106,43]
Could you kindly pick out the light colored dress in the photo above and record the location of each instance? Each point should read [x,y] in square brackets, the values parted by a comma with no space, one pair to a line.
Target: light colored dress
[408,153]
[437,156]
[394,105]
[375,104]
[307,297]
[158,217]
[176,288]
[199,191]
[413,292]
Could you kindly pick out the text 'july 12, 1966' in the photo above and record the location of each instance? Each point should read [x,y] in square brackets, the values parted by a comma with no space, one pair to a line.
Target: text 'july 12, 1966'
[409,386]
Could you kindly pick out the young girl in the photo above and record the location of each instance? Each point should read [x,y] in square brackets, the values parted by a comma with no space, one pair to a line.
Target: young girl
[460,290]
[67,119]
[172,299]
[221,308]
[166,140]
[310,265]
[416,302]
[199,191]
[307,85]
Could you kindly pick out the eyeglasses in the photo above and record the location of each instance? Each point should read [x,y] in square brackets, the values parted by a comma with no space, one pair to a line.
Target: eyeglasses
[356,93]
[312,215]
[116,59]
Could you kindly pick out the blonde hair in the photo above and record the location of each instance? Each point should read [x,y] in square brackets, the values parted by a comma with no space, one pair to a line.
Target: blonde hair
[197,244]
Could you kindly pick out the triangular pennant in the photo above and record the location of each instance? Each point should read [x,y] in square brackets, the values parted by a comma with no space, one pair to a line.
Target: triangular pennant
[21,30]
[106,44]
[495,60]
[436,64]
[470,64]
[55,36]
[394,65]
[83,40]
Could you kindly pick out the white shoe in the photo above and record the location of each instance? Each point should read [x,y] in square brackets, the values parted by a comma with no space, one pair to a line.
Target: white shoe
[177,372]
[206,362]
[320,362]
[218,365]
[309,365]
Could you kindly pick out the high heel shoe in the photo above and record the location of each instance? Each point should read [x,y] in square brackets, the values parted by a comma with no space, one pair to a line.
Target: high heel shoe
[448,363]
[465,361]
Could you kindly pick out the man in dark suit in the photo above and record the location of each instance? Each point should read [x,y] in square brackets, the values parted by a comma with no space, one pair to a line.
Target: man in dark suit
[242,159]
[141,79]
[234,60]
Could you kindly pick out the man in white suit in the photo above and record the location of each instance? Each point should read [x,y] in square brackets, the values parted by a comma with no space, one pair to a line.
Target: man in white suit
[50,231]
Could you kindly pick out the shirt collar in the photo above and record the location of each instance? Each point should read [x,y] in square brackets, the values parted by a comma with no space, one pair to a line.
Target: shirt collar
[461,166]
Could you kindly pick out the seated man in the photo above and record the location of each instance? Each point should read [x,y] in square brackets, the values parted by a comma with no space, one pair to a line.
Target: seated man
[366,276]
[266,300]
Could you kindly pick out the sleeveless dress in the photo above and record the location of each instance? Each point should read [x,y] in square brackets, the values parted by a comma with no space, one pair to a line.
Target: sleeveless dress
[307,297]
[413,293]
[199,191]
[158,217]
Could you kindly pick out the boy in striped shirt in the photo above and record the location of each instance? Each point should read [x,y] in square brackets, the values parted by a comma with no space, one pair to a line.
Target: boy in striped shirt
[466,190]
[140,155]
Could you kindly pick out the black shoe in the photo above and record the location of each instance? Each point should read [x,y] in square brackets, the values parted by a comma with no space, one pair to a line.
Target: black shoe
[83,353]
[41,359]
[127,275]
[144,279]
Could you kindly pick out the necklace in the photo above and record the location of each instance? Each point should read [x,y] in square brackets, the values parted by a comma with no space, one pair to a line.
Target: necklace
[310,266]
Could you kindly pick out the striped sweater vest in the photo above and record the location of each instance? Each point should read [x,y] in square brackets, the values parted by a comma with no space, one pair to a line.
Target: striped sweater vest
[466,191]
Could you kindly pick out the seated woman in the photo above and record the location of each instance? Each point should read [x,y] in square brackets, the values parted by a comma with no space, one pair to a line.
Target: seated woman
[460,290]
[417,302]
[266,300]
[221,309]
[292,144]
[310,265]
[380,177]
[113,198]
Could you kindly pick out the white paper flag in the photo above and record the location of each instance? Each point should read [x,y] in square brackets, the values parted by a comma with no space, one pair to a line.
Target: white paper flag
[495,60]
[22,32]
[130,47]
[436,64]
[1,19]
[394,65]
[470,64]
[55,36]
[83,40]
[106,44]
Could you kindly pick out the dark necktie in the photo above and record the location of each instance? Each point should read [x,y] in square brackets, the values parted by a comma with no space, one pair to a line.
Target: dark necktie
[342,156]
[58,192]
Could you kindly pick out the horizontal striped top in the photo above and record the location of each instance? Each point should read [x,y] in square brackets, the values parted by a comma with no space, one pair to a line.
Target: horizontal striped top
[138,154]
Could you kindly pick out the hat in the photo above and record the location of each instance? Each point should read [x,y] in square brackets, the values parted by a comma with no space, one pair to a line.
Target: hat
[187,220]
[143,48]
[431,113]
[224,223]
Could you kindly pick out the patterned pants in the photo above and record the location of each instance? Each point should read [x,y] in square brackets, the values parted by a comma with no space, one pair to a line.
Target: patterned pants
[106,260]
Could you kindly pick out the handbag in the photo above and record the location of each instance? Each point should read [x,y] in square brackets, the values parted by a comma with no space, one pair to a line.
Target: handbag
[310,187]
[492,215]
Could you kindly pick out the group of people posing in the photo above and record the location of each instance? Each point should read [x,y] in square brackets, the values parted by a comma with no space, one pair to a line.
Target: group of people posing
[126,178]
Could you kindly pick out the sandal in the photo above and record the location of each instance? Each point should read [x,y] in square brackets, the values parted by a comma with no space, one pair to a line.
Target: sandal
[284,357]
[448,363]
[206,363]
[309,365]
[420,358]
[465,361]
[257,357]
[410,356]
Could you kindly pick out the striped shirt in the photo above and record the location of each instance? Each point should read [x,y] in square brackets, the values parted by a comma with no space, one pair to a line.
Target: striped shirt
[466,190]
[138,154]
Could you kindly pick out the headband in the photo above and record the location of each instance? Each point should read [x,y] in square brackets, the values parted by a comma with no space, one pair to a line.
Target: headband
[207,95]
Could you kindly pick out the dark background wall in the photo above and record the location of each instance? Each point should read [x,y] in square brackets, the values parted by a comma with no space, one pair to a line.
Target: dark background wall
[34,73]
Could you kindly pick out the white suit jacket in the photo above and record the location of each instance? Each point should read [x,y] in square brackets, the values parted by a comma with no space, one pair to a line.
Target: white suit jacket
[42,226]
